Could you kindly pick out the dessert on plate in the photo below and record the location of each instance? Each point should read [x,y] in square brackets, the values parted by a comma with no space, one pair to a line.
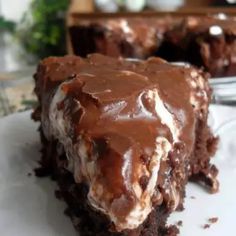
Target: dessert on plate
[122,139]
[133,37]
[207,42]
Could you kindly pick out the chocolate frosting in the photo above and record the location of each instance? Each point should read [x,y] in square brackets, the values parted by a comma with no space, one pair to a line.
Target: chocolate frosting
[111,104]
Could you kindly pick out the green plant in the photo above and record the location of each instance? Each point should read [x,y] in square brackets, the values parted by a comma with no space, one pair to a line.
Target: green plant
[6,25]
[42,29]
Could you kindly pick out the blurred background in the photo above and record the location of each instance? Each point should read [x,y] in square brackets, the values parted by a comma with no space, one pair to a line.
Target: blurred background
[33,29]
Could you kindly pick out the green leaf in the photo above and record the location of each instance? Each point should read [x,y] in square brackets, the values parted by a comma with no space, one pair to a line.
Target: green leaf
[42,31]
[6,25]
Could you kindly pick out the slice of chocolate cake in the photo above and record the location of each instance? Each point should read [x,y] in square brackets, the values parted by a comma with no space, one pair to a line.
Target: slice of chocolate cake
[207,42]
[122,139]
[127,37]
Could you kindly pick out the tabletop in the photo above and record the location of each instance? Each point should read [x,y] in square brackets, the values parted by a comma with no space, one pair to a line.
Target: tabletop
[16,91]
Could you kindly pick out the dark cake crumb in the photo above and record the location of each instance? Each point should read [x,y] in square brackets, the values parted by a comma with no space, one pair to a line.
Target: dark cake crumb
[213,220]
[29,174]
[192,197]
[180,223]
[172,230]
[42,172]
[206,226]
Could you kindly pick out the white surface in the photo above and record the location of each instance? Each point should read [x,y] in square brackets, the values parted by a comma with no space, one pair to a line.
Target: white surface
[28,206]
[135,6]
[167,5]
[107,5]
[14,9]
[223,204]
[10,49]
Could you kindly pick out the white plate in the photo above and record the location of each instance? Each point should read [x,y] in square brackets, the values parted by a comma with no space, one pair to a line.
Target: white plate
[28,206]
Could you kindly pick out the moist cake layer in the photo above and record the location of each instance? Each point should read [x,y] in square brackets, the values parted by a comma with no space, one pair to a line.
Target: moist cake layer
[128,131]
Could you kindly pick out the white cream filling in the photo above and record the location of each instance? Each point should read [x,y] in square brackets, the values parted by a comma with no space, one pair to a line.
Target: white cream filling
[123,27]
[198,86]
[166,117]
[171,122]
[84,166]
[144,204]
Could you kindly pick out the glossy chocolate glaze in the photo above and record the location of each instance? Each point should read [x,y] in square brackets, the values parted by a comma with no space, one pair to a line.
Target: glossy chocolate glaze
[208,42]
[132,37]
[108,103]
